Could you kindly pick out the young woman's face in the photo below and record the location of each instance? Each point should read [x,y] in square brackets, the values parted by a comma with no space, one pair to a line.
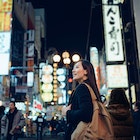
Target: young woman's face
[78,72]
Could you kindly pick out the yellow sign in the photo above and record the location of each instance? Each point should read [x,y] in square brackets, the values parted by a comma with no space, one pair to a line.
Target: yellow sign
[6,5]
[5,21]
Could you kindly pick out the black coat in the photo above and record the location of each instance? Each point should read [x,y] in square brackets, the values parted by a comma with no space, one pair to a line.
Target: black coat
[81,109]
[40,121]
[136,119]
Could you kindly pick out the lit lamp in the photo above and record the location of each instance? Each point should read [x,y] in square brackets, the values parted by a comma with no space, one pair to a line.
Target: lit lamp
[46,86]
[56,58]
[66,58]
[75,58]
[66,61]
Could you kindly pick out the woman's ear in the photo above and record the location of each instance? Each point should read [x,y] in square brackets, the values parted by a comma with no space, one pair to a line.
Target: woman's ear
[85,72]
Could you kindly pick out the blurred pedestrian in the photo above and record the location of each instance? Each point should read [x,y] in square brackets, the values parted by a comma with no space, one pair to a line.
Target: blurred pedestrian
[80,107]
[119,109]
[40,121]
[54,125]
[2,109]
[29,127]
[12,123]
[136,118]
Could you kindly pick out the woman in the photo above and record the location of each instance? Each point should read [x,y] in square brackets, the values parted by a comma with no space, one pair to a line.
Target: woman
[80,107]
[119,109]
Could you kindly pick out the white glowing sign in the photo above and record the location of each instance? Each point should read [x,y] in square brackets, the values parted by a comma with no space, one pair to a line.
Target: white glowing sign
[4,64]
[111,2]
[30,79]
[113,35]
[5,41]
[94,57]
[117,76]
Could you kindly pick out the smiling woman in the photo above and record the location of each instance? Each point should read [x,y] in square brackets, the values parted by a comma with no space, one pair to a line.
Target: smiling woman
[80,100]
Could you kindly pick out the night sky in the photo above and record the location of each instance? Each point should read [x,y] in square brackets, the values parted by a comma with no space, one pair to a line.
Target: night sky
[67,23]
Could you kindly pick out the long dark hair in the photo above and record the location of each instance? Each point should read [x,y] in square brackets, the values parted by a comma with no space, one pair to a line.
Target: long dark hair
[91,79]
[118,96]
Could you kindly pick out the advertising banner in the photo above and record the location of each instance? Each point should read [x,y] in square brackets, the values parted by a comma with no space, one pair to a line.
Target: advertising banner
[113,33]
[5,21]
[6,5]
[117,76]
[5,40]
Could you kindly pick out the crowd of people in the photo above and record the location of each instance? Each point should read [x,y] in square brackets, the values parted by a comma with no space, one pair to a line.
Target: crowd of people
[15,125]
[126,122]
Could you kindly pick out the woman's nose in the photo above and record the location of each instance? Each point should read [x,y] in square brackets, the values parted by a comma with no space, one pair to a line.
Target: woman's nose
[73,71]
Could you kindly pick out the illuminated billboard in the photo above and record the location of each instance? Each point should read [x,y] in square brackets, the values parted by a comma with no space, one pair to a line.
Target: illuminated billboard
[5,21]
[5,41]
[110,2]
[94,59]
[6,5]
[4,64]
[113,33]
[30,79]
[117,76]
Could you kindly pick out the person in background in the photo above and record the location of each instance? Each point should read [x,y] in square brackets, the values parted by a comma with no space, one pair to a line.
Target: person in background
[53,125]
[29,128]
[12,123]
[80,107]
[136,118]
[2,109]
[119,109]
[40,121]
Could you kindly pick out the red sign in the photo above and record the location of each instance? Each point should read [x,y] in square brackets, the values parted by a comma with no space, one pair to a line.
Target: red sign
[37,104]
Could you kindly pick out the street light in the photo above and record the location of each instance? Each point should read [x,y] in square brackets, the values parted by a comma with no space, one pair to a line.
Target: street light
[75,58]
[56,58]
[66,58]
[66,61]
